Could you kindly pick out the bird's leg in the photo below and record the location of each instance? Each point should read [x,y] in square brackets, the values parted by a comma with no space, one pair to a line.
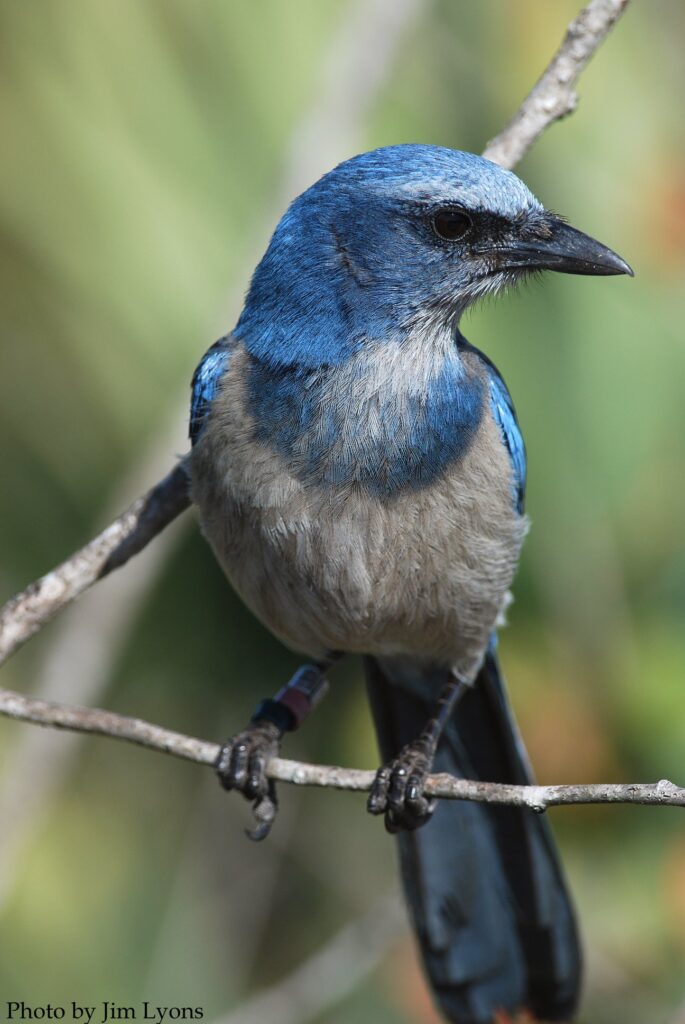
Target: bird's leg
[243,759]
[397,791]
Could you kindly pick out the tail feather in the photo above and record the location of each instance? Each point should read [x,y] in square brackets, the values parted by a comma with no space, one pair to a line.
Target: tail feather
[484,885]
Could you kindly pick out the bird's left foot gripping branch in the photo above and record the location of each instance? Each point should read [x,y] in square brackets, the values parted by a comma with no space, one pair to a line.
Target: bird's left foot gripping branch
[360,475]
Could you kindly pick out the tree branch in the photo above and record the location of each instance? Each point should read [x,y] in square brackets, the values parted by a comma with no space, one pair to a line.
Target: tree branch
[154,737]
[553,96]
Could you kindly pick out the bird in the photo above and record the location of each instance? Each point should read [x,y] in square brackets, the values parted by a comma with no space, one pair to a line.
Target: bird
[360,475]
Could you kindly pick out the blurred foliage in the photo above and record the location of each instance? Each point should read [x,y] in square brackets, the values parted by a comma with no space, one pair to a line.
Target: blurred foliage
[142,147]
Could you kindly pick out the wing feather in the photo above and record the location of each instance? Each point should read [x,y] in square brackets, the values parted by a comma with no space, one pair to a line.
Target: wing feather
[505,415]
[206,379]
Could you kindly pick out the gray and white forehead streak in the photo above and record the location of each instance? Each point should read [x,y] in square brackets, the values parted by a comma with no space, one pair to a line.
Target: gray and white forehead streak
[509,198]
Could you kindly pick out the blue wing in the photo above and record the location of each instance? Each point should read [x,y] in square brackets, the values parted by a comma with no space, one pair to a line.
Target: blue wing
[206,379]
[505,415]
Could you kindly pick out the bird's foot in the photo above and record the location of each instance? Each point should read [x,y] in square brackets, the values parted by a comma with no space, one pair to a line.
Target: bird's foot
[397,790]
[242,764]
[243,760]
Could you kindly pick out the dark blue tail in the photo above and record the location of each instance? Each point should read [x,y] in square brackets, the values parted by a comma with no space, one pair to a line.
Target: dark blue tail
[484,884]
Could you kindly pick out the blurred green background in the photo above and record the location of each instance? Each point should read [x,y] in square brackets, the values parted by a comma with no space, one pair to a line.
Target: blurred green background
[147,150]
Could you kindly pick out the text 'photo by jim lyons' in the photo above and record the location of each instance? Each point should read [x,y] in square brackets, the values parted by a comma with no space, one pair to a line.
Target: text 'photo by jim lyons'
[103,1013]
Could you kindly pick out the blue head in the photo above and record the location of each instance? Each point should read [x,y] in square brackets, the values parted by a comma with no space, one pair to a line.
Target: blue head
[397,238]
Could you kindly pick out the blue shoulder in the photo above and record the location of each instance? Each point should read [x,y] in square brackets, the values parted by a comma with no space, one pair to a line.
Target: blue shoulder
[206,379]
[505,416]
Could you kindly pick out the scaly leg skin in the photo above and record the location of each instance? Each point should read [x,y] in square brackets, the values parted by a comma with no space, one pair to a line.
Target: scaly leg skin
[243,760]
[397,790]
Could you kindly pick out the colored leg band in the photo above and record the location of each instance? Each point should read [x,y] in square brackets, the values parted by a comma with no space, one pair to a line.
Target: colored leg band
[270,710]
[296,700]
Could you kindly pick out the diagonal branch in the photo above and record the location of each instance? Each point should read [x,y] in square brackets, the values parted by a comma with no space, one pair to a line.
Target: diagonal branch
[551,98]
[154,737]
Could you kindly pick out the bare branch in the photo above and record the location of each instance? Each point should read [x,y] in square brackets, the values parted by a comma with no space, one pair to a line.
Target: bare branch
[553,96]
[447,787]
[154,737]
[30,610]
[105,723]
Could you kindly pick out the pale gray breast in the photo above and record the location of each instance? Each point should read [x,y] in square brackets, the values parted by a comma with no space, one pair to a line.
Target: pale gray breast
[426,572]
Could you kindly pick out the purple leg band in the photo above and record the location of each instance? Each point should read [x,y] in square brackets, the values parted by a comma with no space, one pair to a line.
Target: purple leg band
[303,692]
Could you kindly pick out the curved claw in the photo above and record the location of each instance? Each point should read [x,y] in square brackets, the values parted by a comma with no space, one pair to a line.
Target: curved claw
[264,810]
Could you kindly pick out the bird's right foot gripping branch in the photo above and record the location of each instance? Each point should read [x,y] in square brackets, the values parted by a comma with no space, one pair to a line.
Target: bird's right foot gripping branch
[243,759]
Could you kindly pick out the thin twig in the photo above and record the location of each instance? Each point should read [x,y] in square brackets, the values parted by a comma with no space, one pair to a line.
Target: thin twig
[553,96]
[154,737]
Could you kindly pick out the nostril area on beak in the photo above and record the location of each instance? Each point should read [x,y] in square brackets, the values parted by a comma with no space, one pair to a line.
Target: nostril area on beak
[536,229]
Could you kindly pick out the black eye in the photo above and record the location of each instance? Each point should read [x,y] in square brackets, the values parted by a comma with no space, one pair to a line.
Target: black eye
[451,224]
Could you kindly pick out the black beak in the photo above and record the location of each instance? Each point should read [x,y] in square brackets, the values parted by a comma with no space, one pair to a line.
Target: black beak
[555,245]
